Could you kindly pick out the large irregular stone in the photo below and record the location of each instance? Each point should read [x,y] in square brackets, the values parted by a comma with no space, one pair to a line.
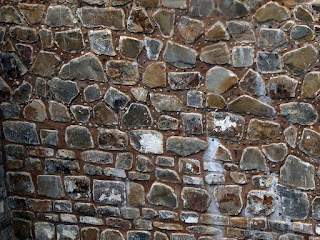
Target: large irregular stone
[24,34]
[215,54]
[44,230]
[185,146]
[197,199]
[122,72]
[50,186]
[192,123]
[137,115]
[81,113]
[272,11]
[20,132]
[184,80]
[20,183]
[59,15]
[190,29]
[45,64]
[86,67]
[9,14]
[135,194]
[92,93]
[282,86]
[301,34]
[311,85]
[139,21]
[164,102]
[162,195]
[167,175]
[116,99]
[67,231]
[155,75]
[109,192]
[78,137]
[101,42]
[64,91]
[11,65]
[288,173]
[180,56]
[299,60]
[253,159]
[249,105]
[164,19]
[233,8]
[35,111]
[309,143]
[147,141]
[241,31]
[217,32]
[228,199]
[103,115]
[109,17]
[299,112]
[58,112]
[261,202]
[130,47]
[302,13]
[253,84]
[225,125]
[275,152]
[201,8]
[112,139]
[22,94]
[220,79]
[268,62]
[259,129]
[77,187]
[271,38]
[153,47]
[70,41]
[295,204]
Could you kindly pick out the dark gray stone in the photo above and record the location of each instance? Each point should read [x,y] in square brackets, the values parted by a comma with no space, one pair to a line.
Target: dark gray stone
[10,110]
[97,157]
[112,139]
[59,15]
[22,94]
[64,91]
[81,113]
[9,14]
[70,41]
[241,31]
[185,146]
[301,33]
[109,192]
[268,62]
[50,186]
[78,187]
[195,99]
[61,166]
[233,8]
[124,161]
[137,115]
[101,42]
[141,235]
[180,56]
[164,19]
[162,195]
[116,99]
[62,206]
[192,123]
[153,47]
[144,164]
[92,93]
[299,112]
[58,112]
[20,132]
[78,137]
[253,159]
[201,8]
[20,183]
[167,175]
[11,65]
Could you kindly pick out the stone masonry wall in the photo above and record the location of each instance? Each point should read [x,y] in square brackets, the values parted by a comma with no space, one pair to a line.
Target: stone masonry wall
[159,119]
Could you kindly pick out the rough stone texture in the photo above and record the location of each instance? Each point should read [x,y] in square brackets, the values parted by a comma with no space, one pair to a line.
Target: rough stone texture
[228,199]
[20,132]
[64,91]
[301,34]
[78,137]
[116,99]
[112,139]
[308,143]
[179,56]
[45,64]
[155,75]
[241,31]
[59,112]
[220,79]
[201,8]
[101,42]
[271,11]
[252,158]
[162,195]
[297,112]
[271,38]
[109,192]
[50,186]
[165,21]
[130,47]
[22,94]
[147,141]
[137,115]
[190,29]
[258,129]
[139,21]
[35,111]
[54,16]
[253,84]
[70,41]
[195,199]
[275,152]
[215,54]
[282,87]
[185,146]
[268,62]
[122,72]
[164,102]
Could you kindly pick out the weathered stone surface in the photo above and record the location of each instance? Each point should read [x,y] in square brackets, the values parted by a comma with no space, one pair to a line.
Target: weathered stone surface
[70,41]
[78,137]
[26,53]
[132,235]
[162,195]
[64,91]
[262,181]
[316,208]
[153,47]
[50,186]
[261,202]
[113,18]
[282,87]
[44,230]
[275,152]
[241,31]
[239,177]
[302,13]
[81,113]
[248,105]
[180,4]
[22,94]
[92,93]
[58,112]
[295,204]
[116,99]
[139,21]
[54,16]
[53,165]
[163,102]
[308,143]
[271,11]
[104,115]
[197,199]
[135,194]
[109,192]
[215,179]
[8,46]
[122,72]
[167,175]
[268,62]
[232,8]
[112,139]
[35,111]
[185,146]
[124,161]
[20,132]
[10,110]
[11,65]
[101,42]
[258,129]
[301,34]
[290,134]
[155,75]
[253,159]
[45,64]
[148,3]
[166,122]
[215,54]
[4,87]
[311,85]
[22,229]
[9,14]
[215,101]
[192,123]
[139,93]
[271,38]
[118,223]
[299,112]
[228,199]
[77,187]
[144,164]
[201,8]
[20,183]
[179,56]
[242,56]
[137,115]
[46,38]
[67,231]
[86,67]
[164,19]
[288,173]
[190,29]
[225,125]
[111,234]
[95,2]
[147,141]
[220,79]
[217,32]
[299,60]
[41,87]
[195,99]
[130,47]
[252,83]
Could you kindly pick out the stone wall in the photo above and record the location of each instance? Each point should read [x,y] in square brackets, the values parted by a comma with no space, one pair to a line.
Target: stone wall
[159,119]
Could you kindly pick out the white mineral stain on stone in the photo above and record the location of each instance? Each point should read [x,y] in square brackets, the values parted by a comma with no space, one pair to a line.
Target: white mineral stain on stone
[151,143]
[224,124]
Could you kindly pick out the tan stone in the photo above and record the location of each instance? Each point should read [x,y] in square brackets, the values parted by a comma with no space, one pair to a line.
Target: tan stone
[165,21]
[258,129]
[271,11]
[215,101]
[45,64]
[311,85]
[215,54]
[155,75]
[309,143]
[32,12]
[190,29]
[219,79]
[217,32]
[282,86]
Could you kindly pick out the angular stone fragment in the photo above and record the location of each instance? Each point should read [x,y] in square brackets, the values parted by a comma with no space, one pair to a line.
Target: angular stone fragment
[164,19]
[22,229]
[132,235]
[11,65]
[290,134]
[103,115]
[81,113]
[242,56]
[183,80]
[163,102]
[20,183]
[192,123]
[197,199]
[50,186]
[122,72]
[166,122]
[232,8]
[311,85]
[139,21]
[4,87]
[275,152]
[112,139]
[316,208]
[22,94]
[135,194]
[217,32]
[23,34]
[309,143]
[137,115]
[53,165]
[97,157]
[45,64]
[10,110]
[35,111]
[111,234]
[299,60]
[26,53]
[153,47]
[299,112]
[239,177]
[301,34]
[118,223]
[46,38]
[167,175]
[92,93]
[77,187]
[8,46]
[59,15]
[78,137]
[228,199]
[130,47]
[124,161]
[190,29]
[116,99]
[155,75]
[253,84]
[225,125]
[64,91]
[253,159]
[271,38]
[162,195]
[67,231]
[20,132]
[95,2]
[215,178]
[9,14]
[195,99]
[248,105]
[268,62]
[70,41]
[201,8]
[101,42]
[185,146]
[139,93]
[58,112]
[109,192]
[109,17]
[302,13]
[260,202]
[295,204]
[219,79]
[44,230]
[144,164]
[282,87]
[241,31]
[215,54]
[272,11]
[258,129]
[179,56]
[147,141]
[215,101]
